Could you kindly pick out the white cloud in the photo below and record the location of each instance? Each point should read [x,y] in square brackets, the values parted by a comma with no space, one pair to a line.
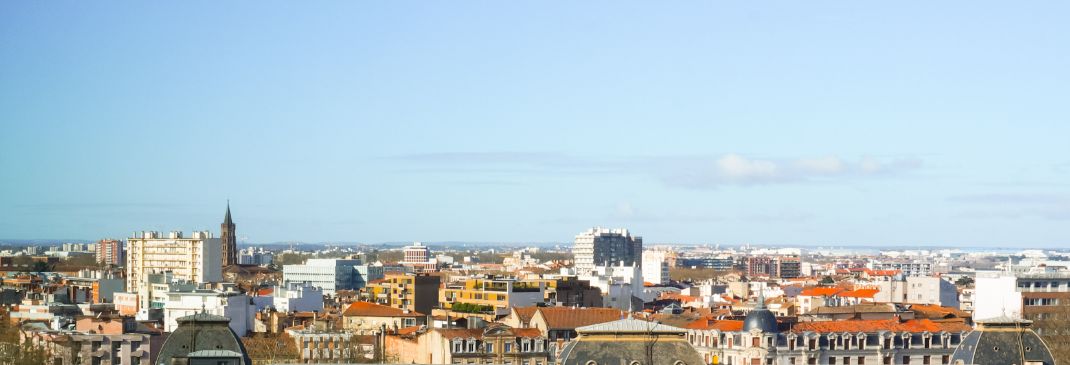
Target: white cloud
[735,169]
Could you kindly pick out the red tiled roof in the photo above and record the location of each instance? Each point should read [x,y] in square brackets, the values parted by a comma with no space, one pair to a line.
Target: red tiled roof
[263,292]
[820,292]
[366,309]
[408,330]
[525,313]
[860,293]
[713,324]
[570,318]
[852,326]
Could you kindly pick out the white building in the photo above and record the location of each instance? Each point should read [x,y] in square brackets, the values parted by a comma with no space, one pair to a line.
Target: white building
[332,274]
[617,283]
[227,303]
[255,256]
[655,267]
[603,246]
[418,257]
[917,290]
[1020,293]
[299,297]
[197,258]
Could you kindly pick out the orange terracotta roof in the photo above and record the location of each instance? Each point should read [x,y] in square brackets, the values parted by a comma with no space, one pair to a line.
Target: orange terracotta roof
[853,326]
[366,309]
[408,330]
[936,311]
[860,293]
[713,324]
[883,272]
[570,318]
[263,292]
[525,313]
[820,292]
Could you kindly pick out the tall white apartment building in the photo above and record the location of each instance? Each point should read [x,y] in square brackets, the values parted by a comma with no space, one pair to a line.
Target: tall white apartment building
[197,258]
[606,247]
[655,267]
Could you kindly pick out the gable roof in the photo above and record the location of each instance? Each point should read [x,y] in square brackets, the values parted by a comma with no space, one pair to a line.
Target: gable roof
[629,325]
[557,318]
[723,325]
[820,292]
[525,313]
[366,309]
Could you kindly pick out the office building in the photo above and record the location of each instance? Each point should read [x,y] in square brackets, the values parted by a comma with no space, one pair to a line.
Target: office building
[111,252]
[196,258]
[418,258]
[606,247]
[332,274]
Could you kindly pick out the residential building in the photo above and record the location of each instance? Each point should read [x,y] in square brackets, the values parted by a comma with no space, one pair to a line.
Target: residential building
[1021,293]
[917,290]
[255,256]
[490,295]
[228,302]
[332,274]
[618,284]
[196,258]
[761,339]
[655,267]
[415,292]
[98,340]
[291,297]
[316,345]
[495,344]
[560,323]
[720,263]
[366,318]
[907,267]
[94,286]
[602,246]
[111,252]
[570,291]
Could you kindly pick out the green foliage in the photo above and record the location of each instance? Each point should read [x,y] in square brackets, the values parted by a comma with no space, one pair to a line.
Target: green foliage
[827,280]
[471,308]
[964,281]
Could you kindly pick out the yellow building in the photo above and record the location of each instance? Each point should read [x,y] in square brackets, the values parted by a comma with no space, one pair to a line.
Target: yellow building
[414,292]
[479,295]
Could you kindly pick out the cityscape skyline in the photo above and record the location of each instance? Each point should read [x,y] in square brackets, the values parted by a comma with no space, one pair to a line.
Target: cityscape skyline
[372,123]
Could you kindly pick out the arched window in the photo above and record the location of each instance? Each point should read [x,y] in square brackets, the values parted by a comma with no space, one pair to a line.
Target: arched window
[458,345]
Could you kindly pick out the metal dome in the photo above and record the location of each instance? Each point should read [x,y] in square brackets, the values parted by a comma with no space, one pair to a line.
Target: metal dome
[760,318]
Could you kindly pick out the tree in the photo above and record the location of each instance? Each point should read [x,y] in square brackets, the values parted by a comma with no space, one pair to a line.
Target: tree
[265,348]
[1054,328]
[964,281]
[827,280]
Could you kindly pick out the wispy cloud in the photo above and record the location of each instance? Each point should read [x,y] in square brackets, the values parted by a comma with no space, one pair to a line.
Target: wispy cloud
[699,172]
[1015,205]
[735,169]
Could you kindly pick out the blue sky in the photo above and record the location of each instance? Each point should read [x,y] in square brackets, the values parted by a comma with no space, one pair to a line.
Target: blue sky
[782,122]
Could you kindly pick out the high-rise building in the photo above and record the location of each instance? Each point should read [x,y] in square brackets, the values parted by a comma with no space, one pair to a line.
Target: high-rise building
[655,267]
[229,240]
[111,252]
[606,247]
[195,258]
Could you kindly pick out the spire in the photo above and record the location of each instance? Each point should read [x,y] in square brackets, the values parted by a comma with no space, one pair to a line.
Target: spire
[761,300]
[227,220]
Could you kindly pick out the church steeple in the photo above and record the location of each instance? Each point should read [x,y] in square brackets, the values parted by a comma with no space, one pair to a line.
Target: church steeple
[228,239]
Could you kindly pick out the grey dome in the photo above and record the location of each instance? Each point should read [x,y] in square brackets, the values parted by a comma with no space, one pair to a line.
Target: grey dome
[1002,341]
[202,335]
[760,318]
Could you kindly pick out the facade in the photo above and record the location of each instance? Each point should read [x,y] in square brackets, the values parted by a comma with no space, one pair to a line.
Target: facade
[236,307]
[561,323]
[1023,294]
[917,290]
[724,263]
[570,291]
[366,318]
[94,286]
[655,267]
[495,344]
[111,252]
[908,268]
[292,297]
[603,246]
[630,341]
[618,285]
[418,258]
[773,266]
[255,256]
[491,295]
[760,339]
[111,341]
[332,274]
[195,258]
[323,346]
[228,240]
[415,292]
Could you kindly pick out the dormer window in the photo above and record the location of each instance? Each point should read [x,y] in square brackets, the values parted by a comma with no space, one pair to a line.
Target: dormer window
[458,346]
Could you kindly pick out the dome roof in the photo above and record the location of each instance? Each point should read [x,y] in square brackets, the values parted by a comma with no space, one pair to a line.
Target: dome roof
[202,335]
[1002,340]
[760,318]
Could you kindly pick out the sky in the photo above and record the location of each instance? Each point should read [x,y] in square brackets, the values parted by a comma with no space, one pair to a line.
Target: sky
[845,123]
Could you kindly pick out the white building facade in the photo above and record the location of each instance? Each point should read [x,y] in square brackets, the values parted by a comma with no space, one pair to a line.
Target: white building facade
[332,274]
[197,258]
[603,246]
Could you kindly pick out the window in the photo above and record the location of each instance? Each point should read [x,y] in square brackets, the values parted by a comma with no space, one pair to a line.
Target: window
[925,360]
[490,347]
[906,359]
[846,360]
[457,346]
[861,360]
[508,347]
[832,361]
[947,359]
[887,360]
